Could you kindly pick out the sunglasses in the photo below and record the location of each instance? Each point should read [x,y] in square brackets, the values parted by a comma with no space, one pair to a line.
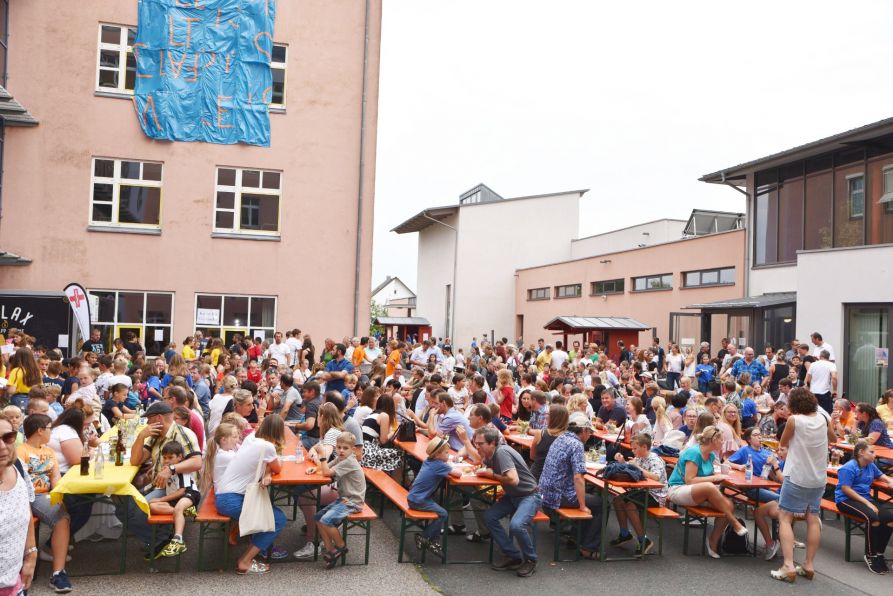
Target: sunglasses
[10,437]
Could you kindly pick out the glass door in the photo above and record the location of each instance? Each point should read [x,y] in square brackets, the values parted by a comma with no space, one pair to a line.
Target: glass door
[867,352]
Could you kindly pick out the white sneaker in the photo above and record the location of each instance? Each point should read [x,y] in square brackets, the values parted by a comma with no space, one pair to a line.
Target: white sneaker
[798,544]
[47,556]
[771,551]
[307,552]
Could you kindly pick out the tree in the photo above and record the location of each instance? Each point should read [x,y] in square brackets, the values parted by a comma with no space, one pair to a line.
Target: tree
[375,311]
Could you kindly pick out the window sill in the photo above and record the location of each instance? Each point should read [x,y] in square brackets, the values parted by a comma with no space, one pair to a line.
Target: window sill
[124,230]
[597,294]
[651,290]
[537,299]
[273,110]
[566,297]
[702,286]
[242,236]
[113,94]
[775,265]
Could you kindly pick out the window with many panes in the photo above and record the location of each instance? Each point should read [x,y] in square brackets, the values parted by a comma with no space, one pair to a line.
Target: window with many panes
[609,286]
[149,316]
[219,315]
[538,294]
[856,189]
[708,277]
[279,69]
[653,282]
[247,201]
[125,193]
[568,291]
[116,66]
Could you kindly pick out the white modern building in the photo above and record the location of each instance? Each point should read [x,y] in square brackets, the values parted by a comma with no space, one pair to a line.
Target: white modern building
[395,297]
[468,254]
[819,252]
[635,236]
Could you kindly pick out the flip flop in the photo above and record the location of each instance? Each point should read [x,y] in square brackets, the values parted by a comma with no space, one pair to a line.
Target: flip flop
[335,555]
[255,568]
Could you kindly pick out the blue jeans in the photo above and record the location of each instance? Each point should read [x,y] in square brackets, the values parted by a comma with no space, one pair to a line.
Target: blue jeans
[20,400]
[673,379]
[334,513]
[521,510]
[138,521]
[230,505]
[432,531]
[309,442]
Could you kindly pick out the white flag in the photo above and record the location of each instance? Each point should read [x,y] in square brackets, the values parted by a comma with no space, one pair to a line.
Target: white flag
[80,304]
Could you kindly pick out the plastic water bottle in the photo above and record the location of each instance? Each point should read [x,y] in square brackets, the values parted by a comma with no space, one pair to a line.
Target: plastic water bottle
[299,454]
[748,470]
[602,455]
[99,463]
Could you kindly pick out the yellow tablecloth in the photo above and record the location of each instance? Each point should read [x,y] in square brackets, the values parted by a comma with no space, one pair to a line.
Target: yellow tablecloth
[116,480]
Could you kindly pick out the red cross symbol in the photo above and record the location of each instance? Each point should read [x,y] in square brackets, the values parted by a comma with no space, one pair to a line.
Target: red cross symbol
[76,297]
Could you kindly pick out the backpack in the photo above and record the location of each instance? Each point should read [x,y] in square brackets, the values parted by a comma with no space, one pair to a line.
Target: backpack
[733,544]
[622,472]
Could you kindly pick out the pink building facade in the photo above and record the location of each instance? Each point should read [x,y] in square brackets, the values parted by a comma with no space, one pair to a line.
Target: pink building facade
[170,237]
[652,285]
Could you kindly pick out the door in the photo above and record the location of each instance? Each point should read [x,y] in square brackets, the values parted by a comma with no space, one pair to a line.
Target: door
[867,336]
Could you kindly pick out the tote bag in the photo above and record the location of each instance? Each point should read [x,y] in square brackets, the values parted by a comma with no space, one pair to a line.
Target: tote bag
[257,510]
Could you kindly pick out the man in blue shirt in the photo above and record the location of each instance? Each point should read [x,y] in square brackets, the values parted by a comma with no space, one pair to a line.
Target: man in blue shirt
[449,419]
[758,372]
[337,370]
[201,388]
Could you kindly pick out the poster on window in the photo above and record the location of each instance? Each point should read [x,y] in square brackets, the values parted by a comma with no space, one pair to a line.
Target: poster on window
[207,316]
[882,356]
[203,70]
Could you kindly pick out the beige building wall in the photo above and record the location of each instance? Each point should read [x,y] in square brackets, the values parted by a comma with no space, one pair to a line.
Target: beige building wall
[650,307]
[311,268]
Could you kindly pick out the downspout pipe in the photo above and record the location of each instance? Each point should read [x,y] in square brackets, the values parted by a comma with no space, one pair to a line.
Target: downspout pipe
[362,174]
[452,328]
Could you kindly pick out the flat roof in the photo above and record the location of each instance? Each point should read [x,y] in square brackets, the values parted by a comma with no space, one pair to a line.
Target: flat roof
[843,140]
[595,324]
[412,321]
[422,219]
[644,223]
[761,301]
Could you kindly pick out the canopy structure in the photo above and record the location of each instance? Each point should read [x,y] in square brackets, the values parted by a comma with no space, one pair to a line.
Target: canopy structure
[767,319]
[607,331]
[748,302]
[416,328]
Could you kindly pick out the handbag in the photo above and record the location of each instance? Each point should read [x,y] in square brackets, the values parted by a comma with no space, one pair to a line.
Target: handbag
[612,449]
[622,472]
[406,431]
[257,510]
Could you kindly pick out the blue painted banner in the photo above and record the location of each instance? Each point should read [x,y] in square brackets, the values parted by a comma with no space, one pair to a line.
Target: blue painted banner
[203,70]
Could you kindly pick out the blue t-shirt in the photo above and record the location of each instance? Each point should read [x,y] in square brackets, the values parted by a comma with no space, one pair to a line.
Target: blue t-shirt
[692,454]
[757,457]
[342,365]
[748,408]
[859,479]
[153,383]
[877,426]
[428,479]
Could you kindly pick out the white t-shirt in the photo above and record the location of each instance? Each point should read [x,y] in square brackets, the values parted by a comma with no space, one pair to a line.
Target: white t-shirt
[122,379]
[817,351]
[360,413]
[221,463]
[59,435]
[559,357]
[807,461]
[459,397]
[642,421]
[675,363]
[820,376]
[15,510]
[217,405]
[242,470]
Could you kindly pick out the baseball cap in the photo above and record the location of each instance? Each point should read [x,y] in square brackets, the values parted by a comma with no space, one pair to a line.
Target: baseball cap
[579,420]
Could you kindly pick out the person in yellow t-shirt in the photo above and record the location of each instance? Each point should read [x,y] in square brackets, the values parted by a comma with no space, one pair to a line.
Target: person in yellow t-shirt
[395,356]
[885,407]
[187,351]
[359,353]
[24,373]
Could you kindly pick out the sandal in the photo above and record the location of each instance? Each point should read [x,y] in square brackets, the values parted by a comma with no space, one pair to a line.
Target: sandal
[334,556]
[256,568]
[799,570]
[591,555]
[784,576]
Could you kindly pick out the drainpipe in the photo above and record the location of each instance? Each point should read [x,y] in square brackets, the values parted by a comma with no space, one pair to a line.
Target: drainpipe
[362,176]
[452,328]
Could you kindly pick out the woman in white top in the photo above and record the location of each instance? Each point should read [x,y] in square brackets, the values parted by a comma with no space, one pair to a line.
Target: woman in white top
[367,404]
[691,363]
[242,471]
[806,436]
[662,422]
[675,364]
[219,402]
[636,421]
[221,450]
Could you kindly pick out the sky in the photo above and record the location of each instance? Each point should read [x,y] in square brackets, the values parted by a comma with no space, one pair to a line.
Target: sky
[632,100]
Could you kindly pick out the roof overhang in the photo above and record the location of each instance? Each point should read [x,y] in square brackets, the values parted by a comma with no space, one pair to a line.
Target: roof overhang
[8,258]
[12,113]
[864,135]
[403,321]
[748,302]
[422,219]
[579,324]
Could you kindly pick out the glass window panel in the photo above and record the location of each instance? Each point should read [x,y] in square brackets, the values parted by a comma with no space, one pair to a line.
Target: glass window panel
[263,312]
[867,329]
[130,170]
[152,171]
[251,178]
[818,211]
[102,212]
[666,281]
[260,212]
[139,204]
[279,52]
[235,311]
[271,180]
[131,36]
[104,168]
[727,276]
[640,283]
[130,307]
[848,230]
[226,200]
[206,301]
[709,277]
[155,347]
[790,220]
[108,78]
[103,192]
[109,58]
[226,177]
[111,34]
[224,220]
[159,308]
[106,311]
[693,278]
[130,74]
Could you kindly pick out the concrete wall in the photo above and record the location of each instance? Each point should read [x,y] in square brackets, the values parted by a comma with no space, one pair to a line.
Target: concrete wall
[660,231]
[650,307]
[496,239]
[827,280]
[315,144]
[436,256]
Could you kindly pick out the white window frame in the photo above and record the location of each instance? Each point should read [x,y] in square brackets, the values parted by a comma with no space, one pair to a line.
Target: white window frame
[236,209]
[124,50]
[850,193]
[116,181]
[887,194]
[115,323]
[283,66]
[220,326]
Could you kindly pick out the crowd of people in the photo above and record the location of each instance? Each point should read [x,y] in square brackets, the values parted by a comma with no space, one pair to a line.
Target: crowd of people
[215,418]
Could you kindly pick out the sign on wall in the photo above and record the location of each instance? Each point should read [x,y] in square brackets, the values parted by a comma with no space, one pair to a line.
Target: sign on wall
[203,70]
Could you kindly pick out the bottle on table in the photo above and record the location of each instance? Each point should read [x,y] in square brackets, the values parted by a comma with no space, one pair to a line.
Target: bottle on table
[748,470]
[299,454]
[85,460]
[119,448]
[602,454]
[99,464]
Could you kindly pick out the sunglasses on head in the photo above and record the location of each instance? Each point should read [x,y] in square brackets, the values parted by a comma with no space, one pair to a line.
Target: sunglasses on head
[10,437]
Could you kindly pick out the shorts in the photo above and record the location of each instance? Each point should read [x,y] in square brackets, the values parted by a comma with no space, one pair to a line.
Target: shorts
[45,512]
[799,500]
[334,513]
[681,495]
[194,496]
